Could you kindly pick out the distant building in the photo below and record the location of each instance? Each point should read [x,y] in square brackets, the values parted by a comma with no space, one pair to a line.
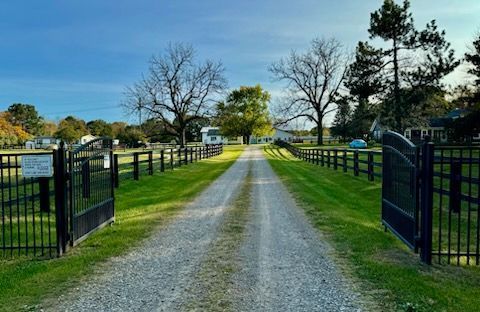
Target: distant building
[376,130]
[278,134]
[211,135]
[42,142]
[436,127]
[86,138]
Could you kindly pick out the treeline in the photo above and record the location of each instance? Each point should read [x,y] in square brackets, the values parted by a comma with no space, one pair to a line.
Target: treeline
[22,122]
[401,83]
[398,78]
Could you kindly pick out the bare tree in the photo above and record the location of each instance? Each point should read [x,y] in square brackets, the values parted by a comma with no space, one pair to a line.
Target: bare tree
[177,90]
[313,81]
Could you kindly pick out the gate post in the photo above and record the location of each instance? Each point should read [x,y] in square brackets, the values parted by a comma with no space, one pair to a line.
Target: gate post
[344,159]
[428,150]
[185,152]
[60,182]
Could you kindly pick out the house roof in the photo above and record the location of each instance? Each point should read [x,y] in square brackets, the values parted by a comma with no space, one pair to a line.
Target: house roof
[206,129]
[457,113]
[439,121]
[213,132]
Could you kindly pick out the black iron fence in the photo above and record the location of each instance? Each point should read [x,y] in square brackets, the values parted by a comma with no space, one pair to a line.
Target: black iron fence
[456,205]
[137,164]
[40,216]
[447,183]
[28,210]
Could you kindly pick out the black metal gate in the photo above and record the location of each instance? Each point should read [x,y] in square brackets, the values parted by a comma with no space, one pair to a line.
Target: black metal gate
[400,198]
[91,184]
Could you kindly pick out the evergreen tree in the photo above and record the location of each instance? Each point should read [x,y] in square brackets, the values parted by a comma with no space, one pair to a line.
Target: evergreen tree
[415,62]
[364,80]
[343,118]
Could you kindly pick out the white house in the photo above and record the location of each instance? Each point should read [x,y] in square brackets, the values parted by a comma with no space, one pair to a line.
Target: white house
[86,138]
[211,135]
[278,134]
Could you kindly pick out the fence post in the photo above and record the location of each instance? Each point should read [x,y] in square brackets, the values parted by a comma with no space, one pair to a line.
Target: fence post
[60,181]
[370,166]
[335,158]
[195,149]
[317,160]
[150,163]
[116,175]
[179,160]
[323,157]
[428,150]
[191,154]
[162,161]
[328,158]
[208,154]
[344,160]
[355,163]
[135,166]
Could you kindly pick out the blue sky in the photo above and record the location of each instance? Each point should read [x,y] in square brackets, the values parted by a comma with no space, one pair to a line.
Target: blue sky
[76,57]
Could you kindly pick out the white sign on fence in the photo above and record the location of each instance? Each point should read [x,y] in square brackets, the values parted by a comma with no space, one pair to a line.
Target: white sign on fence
[106,161]
[37,166]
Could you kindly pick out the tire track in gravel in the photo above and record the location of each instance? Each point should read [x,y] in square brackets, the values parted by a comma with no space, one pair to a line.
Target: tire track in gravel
[157,275]
[285,264]
[213,284]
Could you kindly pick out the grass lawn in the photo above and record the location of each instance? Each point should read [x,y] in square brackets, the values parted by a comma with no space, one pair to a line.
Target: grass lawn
[347,210]
[141,207]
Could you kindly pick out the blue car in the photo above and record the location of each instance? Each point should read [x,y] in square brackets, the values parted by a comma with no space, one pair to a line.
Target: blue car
[358,143]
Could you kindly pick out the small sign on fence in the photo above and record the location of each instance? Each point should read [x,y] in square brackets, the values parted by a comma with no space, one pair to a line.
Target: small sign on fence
[37,166]
[106,161]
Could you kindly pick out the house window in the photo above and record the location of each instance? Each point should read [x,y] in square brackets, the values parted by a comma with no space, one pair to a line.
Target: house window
[213,138]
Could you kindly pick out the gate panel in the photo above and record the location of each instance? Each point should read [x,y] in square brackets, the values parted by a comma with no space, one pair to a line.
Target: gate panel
[91,188]
[400,187]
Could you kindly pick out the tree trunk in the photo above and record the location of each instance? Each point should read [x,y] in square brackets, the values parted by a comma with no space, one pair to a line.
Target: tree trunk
[182,137]
[320,129]
[247,138]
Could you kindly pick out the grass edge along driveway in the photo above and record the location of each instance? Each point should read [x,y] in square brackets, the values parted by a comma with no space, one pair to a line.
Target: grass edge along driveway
[141,207]
[346,209]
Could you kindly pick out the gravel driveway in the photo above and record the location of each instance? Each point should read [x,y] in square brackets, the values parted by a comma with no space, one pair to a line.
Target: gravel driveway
[284,265]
